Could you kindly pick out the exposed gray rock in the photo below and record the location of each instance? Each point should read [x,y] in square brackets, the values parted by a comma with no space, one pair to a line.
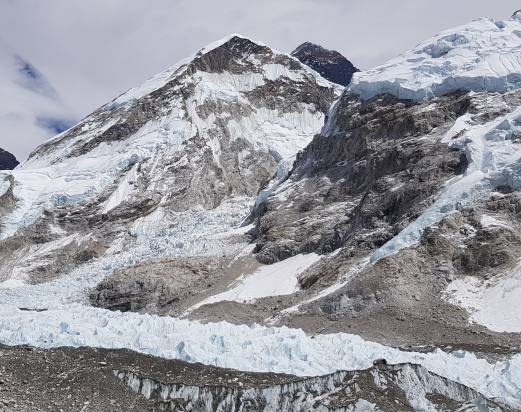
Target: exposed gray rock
[154,287]
[363,179]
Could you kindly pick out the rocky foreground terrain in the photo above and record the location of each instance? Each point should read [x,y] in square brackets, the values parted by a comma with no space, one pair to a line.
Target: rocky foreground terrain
[277,242]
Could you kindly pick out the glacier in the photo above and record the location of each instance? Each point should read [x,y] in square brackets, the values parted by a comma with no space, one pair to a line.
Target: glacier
[248,348]
[484,55]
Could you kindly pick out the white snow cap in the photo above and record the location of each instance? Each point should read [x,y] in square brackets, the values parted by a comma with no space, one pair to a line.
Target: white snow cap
[161,79]
[482,55]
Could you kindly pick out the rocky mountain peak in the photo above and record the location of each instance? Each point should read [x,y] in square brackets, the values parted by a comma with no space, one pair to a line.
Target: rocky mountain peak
[7,160]
[211,132]
[329,63]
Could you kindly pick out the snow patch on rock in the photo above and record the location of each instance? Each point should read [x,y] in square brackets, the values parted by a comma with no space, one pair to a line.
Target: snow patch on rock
[278,279]
[494,303]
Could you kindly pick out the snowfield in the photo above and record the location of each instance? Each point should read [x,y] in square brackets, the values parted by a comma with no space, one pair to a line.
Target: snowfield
[277,279]
[495,303]
[482,55]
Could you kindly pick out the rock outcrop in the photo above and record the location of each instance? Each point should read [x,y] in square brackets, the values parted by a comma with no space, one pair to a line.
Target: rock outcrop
[376,166]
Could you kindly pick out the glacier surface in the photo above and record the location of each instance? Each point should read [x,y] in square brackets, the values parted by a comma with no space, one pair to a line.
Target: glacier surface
[254,348]
[482,55]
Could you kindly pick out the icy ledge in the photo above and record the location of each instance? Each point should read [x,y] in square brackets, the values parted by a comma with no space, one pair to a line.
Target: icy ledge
[245,348]
[482,55]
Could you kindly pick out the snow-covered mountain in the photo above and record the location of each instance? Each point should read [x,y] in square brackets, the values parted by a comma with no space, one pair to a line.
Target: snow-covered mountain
[239,187]
[30,108]
[329,63]
[185,154]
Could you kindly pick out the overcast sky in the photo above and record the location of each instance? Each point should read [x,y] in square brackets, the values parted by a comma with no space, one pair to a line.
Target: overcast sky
[92,50]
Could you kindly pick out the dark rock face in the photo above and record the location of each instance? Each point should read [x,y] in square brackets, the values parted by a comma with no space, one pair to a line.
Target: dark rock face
[7,160]
[364,179]
[329,63]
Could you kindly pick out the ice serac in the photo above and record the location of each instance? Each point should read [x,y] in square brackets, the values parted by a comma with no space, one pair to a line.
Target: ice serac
[482,55]
[329,63]
[205,135]
[7,160]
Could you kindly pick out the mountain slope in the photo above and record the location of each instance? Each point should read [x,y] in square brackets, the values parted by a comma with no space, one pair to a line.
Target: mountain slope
[329,63]
[208,134]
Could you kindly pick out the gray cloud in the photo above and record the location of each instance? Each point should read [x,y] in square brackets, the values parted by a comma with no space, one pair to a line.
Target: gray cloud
[92,50]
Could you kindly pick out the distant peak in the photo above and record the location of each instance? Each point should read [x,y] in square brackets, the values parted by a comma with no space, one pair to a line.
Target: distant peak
[309,46]
[230,39]
[7,160]
[329,63]
[517,15]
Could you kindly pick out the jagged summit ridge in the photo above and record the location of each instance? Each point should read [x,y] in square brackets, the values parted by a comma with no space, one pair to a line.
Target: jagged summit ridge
[234,44]
[329,63]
